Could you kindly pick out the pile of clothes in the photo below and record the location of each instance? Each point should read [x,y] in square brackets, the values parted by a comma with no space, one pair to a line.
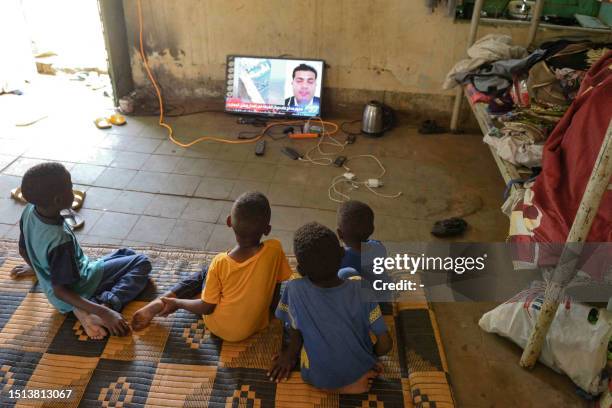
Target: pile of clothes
[526,93]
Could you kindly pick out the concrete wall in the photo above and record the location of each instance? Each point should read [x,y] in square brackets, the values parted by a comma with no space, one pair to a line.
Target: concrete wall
[391,50]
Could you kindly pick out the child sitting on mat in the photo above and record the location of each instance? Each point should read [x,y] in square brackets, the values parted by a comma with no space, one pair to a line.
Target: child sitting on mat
[96,291]
[329,320]
[236,291]
[355,226]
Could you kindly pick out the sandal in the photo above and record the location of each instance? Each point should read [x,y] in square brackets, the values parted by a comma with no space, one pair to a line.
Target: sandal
[16,194]
[79,197]
[102,123]
[74,220]
[430,127]
[450,227]
[117,119]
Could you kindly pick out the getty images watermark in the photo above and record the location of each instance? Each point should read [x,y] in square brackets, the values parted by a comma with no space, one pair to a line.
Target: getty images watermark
[404,263]
[481,272]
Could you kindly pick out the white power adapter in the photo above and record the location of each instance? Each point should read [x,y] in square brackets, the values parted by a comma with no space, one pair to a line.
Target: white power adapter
[374,183]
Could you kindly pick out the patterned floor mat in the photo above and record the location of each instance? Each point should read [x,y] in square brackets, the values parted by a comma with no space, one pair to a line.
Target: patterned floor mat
[177,363]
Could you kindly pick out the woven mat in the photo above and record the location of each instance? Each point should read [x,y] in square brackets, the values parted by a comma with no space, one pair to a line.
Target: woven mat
[176,362]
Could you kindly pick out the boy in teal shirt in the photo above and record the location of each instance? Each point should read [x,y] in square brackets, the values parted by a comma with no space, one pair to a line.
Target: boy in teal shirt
[95,291]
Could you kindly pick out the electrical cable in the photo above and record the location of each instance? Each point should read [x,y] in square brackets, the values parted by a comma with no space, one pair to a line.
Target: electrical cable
[355,184]
[323,161]
[350,122]
[163,124]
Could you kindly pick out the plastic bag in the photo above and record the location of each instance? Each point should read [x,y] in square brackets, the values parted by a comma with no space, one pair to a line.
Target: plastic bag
[573,346]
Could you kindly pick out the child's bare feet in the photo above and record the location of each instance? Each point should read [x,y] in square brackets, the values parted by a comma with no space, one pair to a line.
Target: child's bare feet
[21,271]
[92,324]
[363,384]
[143,316]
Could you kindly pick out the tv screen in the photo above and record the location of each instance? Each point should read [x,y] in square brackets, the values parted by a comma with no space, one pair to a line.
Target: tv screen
[273,86]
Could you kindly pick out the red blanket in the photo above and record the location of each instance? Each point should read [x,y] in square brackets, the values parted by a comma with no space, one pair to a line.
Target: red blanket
[549,207]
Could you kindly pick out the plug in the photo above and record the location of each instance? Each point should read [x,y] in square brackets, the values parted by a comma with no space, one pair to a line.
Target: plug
[348,175]
[374,183]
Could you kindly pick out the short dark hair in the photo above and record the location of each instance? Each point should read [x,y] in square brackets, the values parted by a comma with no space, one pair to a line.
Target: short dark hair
[41,183]
[304,67]
[318,252]
[250,213]
[355,221]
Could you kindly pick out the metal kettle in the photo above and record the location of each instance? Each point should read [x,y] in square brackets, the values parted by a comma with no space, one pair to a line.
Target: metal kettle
[377,119]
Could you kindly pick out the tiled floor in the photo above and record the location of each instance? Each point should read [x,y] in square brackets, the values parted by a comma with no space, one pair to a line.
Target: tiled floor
[139,185]
[144,190]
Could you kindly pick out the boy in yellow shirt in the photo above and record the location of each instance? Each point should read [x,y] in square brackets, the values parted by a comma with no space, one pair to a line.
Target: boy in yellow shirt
[239,286]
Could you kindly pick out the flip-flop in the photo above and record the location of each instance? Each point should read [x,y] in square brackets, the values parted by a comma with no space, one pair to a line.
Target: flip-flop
[73,219]
[16,194]
[79,197]
[430,127]
[450,227]
[102,123]
[117,119]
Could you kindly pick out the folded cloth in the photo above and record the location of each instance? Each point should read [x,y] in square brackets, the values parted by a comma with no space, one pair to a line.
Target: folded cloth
[530,131]
[476,96]
[517,146]
[494,78]
[491,47]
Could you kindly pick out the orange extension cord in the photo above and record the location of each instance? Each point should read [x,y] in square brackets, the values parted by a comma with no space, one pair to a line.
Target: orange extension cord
[211,138]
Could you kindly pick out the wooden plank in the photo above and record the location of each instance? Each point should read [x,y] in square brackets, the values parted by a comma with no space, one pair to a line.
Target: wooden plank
[508,170]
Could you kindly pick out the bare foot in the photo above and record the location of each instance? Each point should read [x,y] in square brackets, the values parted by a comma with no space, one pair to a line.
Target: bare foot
[143,316]
[92,324]
[363,384]
[21,271]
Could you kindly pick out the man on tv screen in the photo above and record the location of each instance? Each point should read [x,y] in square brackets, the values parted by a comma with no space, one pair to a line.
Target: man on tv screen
[304,83]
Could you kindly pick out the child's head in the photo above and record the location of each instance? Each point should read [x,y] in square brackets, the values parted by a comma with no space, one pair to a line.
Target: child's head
[355,222]
[250,217]
[318,252]
[48,185]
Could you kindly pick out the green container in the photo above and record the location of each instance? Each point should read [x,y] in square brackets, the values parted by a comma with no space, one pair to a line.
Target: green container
[560,8]
[495,8]
[567,8]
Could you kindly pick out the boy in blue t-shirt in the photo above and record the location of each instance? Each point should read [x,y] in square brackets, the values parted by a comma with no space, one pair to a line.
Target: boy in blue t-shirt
[96,291]
[329,320]
[355,226]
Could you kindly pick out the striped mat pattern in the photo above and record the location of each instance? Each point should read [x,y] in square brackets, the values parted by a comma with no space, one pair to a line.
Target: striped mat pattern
[177,363]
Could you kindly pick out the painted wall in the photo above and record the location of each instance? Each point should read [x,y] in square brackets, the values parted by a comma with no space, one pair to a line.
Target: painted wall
[392,50]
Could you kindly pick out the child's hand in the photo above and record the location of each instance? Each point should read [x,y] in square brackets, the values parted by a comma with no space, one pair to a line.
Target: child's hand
[21,271]
[114,322]
[171,305]
[281,367]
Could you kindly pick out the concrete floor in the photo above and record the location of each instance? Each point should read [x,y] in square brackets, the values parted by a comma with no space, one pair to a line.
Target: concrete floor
[143,190]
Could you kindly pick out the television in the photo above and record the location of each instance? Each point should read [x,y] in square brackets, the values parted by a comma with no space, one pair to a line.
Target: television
[275,87]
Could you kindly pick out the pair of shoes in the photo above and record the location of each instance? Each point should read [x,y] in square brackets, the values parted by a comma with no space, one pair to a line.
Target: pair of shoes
[430,127]
[450,227]
[105,123]
[74,220]
[79,197]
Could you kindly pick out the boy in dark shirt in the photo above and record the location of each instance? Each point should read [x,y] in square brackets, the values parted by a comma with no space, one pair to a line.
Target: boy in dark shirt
[355,226]
[96,291]
[329,320]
